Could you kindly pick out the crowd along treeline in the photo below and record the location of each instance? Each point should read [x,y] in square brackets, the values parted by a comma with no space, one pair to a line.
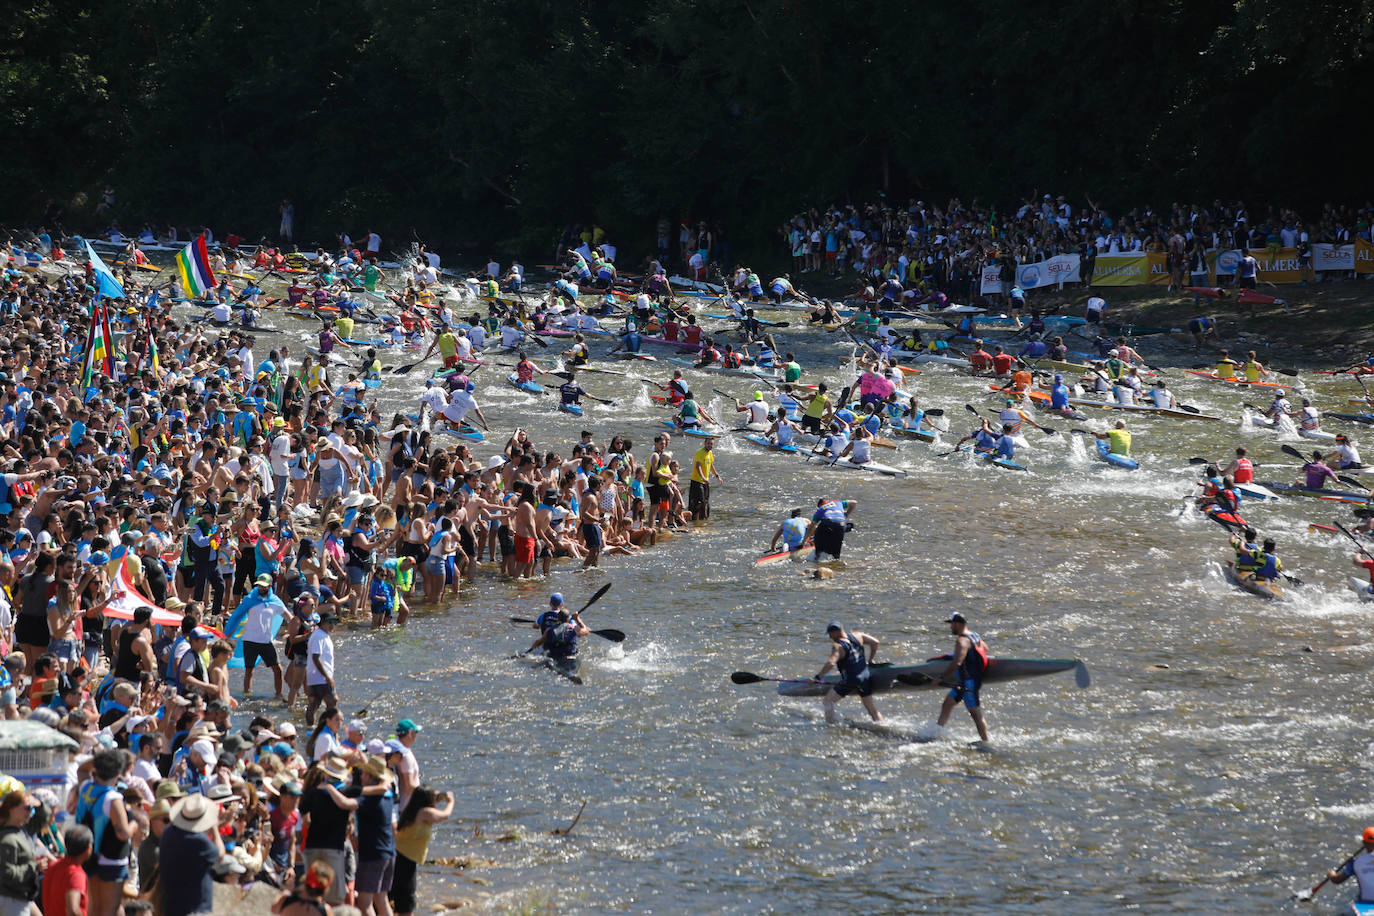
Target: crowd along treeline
[503,120]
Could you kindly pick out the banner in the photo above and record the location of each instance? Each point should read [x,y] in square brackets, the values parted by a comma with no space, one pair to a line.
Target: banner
[1333,257]
[1364,257]
[1062,268]
[1121,270]
[991,282]
[1159,267]
[1276,265]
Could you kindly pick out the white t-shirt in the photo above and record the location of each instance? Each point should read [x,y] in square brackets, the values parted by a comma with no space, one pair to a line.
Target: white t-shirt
[477,336]
[320,644]
[326,743]
[758,411]
[221,312]
[374,242]
[460,404]
[258,621]
[1096,303]
[696,261]
[494,269]
[281,447]
[435,399]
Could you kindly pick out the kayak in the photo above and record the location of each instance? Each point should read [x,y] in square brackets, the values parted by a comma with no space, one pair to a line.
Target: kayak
[1353,417]
[925,435]
[884,678]
[527,387]
[781,556]
[1139,330]
[1365,590]
[1228,520]
[679,344]
[763,441]
[1318,434]
[1068,321]
[1252,585]
[995,459]
[922,357]
[874,466]
[1255,491]
[1059,365]
[1202,373]
[470,433]
[1176,413]
[697,433]
[574,409]
[1344,496]
[722,370]
[1121,461]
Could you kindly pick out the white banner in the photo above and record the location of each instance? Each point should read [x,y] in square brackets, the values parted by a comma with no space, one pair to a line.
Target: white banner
[1333,257]
[1062,268]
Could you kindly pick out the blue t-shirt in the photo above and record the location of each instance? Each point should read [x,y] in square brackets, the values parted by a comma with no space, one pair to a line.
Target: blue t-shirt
[375,837]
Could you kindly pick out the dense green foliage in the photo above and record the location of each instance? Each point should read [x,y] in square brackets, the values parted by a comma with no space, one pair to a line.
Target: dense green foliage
[495,120]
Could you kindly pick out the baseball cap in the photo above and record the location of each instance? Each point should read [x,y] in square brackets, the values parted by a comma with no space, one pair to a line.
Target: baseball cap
[406,726]
[357,725]
[265,578]
[201,633]
[556,598]
[955,618]
[394,747]
[833,626]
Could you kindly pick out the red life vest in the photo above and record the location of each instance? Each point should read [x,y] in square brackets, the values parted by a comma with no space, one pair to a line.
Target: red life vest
[1245,471]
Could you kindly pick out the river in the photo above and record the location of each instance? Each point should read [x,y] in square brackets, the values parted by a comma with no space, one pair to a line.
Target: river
[1219,760]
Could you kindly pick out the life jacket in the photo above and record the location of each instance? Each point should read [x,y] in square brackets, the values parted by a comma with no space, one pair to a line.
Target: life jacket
[1248,557]
[853,663]
[561,641]
[976,660]
[730,360]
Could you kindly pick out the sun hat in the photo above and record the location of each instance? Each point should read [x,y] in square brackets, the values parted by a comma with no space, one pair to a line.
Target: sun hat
[334,767]
[406,726]
[195,814]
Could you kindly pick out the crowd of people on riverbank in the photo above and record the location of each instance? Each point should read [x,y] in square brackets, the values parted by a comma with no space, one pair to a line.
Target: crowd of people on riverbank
[947,246]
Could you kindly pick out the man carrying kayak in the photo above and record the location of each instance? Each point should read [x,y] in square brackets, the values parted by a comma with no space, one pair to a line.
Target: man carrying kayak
[850,657]
[969,661]
[828,526]
[1361,866]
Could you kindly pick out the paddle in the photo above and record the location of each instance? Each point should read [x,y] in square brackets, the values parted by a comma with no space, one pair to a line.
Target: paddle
[610,634]
[1358,546]
[1309,894]
[748,677]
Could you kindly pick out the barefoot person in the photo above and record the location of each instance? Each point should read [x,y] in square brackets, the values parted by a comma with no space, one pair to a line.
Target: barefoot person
[850,657]
[970,660]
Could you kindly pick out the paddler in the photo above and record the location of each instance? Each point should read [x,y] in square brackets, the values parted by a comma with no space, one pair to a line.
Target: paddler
[1361,866]
[578,354]
[980,360]
[1363,561]
[757,409]
[850,657]
[690,415]
[1346,456]
[1253,368]
[969,661]
[1226,366]
[559,642]
[781,288]
[1249,558]
[677,389]
[447,345]
[1035,348]
[1058,351]
[1001,362]
[1271,566]
[1279,407]
[984,438]
[791,369]
[1059,397]
[818,410]
[1119,439]
[1161,396]
[792,533]
[1309,418]
[1022,380]
[1241,469]
[1315,473]
[1012,416]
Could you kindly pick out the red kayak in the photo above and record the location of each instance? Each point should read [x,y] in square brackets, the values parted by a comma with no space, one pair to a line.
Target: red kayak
[1228,520]
[1250,297]
[1211,292]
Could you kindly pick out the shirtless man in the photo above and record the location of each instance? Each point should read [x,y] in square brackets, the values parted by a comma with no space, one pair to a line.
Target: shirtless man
[589,517]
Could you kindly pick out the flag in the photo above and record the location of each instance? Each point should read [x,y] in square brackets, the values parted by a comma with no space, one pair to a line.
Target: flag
[193,263]
[99,346]
[150,353]
[106,284]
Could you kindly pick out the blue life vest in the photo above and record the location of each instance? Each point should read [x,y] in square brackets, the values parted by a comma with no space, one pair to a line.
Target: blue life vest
[90,811]
[561,641]
[853,664]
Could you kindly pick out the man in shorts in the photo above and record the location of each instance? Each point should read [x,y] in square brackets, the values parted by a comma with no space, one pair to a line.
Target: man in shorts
[319,669]
[263,613]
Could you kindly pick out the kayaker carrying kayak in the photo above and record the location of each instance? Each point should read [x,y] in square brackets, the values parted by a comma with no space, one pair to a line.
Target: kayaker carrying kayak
[829,524]
[792,532]
[1361,866]
[850,657]
[970,660]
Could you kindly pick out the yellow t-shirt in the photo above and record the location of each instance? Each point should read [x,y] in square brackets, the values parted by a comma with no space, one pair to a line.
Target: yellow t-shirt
[448,344]
[703,462]
[344,327]
[1120,440]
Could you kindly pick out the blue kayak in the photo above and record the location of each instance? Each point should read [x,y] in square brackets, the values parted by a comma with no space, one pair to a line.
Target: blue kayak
[995,459]
[527,387]
[1362,909]
[762,440]
[574,409]
[1120,461]
[698,433]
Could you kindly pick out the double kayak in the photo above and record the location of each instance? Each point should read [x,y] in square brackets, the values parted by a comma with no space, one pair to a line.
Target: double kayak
[885,678]
[1292,489]
[876,467]
[994,459]
[1258,587]
[922,356]
[1121,461]
[1237,380]
[1176,413]
[924,435]
[1320,435]
[763,441]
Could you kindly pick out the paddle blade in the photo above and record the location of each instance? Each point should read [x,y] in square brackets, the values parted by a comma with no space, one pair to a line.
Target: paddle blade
[522,620]
[935,412]
[402,370]
[973,410]
[597,597]
[1197,460]
[1289,450]
[745,677]
[1081,677]
[1286,371]
[612,635]
[1189,407]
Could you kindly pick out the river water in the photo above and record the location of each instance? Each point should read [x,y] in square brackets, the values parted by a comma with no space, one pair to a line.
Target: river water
[1220,758]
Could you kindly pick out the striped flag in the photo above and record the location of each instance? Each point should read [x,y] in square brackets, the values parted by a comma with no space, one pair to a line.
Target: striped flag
[99,346]
[150,352]
[193,263]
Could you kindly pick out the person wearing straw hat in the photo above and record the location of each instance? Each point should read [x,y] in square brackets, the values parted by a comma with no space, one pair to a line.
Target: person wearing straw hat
[190,847]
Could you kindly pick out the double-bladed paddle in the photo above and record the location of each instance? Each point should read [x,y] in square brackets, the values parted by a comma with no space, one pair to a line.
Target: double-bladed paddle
[1309,894]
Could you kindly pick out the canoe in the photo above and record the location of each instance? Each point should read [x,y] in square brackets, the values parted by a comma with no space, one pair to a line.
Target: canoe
[1353,417]
[527,387]
[994,459]
[1255,491]
[1202,373]
[884,678]
[1252,585]
[1362,588]
[1175,413]
[876,467]
[763,441]
[695,433]
[574,409]
[1343,496]
[1120,461]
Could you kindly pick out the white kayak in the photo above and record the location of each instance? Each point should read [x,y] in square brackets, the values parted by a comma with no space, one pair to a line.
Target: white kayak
[921,356]
[1255,491]
[875,466]
[1363,588]
[1320,435]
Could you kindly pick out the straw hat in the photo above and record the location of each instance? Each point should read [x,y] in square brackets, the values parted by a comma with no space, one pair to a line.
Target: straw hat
[334,767]
[195,814]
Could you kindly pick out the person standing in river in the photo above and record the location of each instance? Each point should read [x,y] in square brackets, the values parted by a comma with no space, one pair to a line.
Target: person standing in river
[850,656]
[970,660]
